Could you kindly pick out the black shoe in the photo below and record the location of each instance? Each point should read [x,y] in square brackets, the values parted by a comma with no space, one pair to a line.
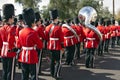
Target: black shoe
[72,64]
[87,66]
[58,78]
[40,73]
[65,63]
[78,58]
[92,66]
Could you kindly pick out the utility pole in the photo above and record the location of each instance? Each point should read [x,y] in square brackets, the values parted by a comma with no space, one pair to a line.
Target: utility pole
[113,8]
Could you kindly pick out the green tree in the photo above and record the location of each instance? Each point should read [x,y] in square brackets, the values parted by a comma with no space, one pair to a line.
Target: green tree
[105,13]
[66,8]
[118,15]
[29,3]
[70,8]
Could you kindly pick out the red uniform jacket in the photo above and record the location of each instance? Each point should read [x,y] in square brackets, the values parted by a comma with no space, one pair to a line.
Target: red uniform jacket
[92,39]
[77,32]
[18,28]
[0,44]
[7,33]
[113,31]
[108,34]
[40,30]
[69,37]
[118,31]
[102,30]
[80,33]
[28,41]
[54,37]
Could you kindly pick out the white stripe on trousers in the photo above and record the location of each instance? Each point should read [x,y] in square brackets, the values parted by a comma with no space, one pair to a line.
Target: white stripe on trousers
[38,65]
[36,72]
[60,65]
[13,68]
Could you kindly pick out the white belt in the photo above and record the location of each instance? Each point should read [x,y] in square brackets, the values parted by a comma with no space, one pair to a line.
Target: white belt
[40,38]
[114,31]
[69,37]
[54,38]
[90,38]
[5,43]
[28,48]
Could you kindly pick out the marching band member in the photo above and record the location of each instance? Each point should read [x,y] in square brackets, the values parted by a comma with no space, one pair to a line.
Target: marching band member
[91,43]
[118,33]
[113,33]
[70,39]
[28,41]
[54,43]
[19,27]
[40,28]
[8,38]
[81,35]
[0,37]
[107,36]
[101,28]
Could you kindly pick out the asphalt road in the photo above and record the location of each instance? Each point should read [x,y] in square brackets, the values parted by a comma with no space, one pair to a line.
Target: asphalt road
[107,67]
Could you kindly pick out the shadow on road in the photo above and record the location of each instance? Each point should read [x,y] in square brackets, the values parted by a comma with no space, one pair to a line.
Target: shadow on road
[17,76]
[77,74]
[110,61]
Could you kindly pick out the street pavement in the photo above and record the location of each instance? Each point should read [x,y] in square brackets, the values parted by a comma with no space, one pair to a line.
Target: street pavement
[107,67]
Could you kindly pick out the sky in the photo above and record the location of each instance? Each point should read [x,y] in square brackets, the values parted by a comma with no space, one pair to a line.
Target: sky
[109,4]
[18,7]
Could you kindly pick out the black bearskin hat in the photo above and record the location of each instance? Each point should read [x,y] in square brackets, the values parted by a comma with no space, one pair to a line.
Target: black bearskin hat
[0,18]
[28,16]
[101,21]
[68,21]
[108,23]
[8,11]
[20,17]
[15,21]
[38,17]
[76,20]
[112,21]
[53,14]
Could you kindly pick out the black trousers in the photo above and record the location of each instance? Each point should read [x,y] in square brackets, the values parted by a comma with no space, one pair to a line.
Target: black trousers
[29,69]
[69,51]
[7,64]
[55,62]
[78,50]
[89,57]
[40,60]
[106,45]
[118,40]
[113,42]
[100,48]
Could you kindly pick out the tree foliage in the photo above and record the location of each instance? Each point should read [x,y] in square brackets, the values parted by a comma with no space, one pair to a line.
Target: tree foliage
[67,8]
[70,8]
[29,3]
[118,15]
